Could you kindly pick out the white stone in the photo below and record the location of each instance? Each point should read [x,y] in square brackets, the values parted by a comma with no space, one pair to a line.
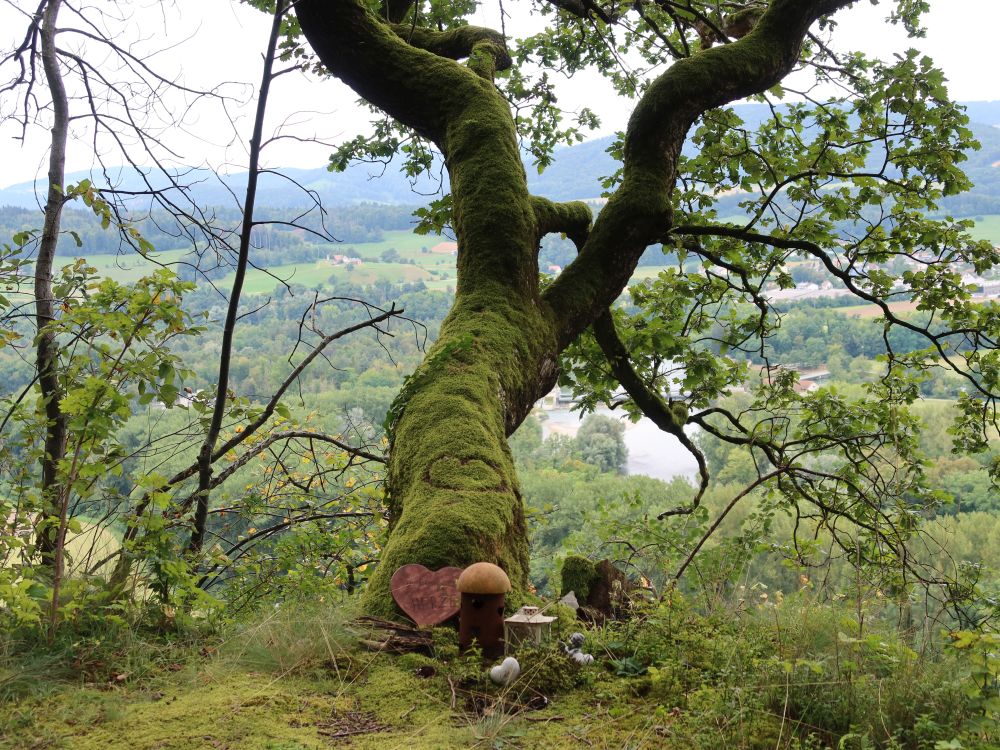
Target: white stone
[506,671]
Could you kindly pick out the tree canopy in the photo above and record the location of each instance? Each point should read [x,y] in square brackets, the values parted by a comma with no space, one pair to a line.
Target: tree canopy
[854,157]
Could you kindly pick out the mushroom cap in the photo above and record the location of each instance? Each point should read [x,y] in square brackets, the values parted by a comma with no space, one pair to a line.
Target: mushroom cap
[483,578]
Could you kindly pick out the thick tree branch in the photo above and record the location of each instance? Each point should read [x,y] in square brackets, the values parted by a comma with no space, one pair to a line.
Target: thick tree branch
[395,11]
[572,219]
[669,418]
[584,9]
[455,44]
[460,110]
[636,214]
[413,85]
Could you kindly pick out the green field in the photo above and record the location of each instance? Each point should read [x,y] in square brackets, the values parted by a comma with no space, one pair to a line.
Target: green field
[646,272]
[437,270]
[90,543]
[404,242]
[316,274]
[128,268]
[987,228]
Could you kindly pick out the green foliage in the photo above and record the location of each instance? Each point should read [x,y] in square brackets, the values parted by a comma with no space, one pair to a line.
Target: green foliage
[979,652]
[115,359]
[307,524]
[601,443]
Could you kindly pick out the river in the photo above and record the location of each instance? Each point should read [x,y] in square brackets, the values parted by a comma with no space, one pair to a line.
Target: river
[650,450]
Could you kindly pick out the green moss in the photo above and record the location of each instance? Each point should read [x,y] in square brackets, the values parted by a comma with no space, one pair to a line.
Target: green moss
[453,473]
[566,620]
[482,59]
[452,490]
[679,412]
[730,679]
[454,496]
[548,670]
[252,713]
[577,574]
[572,219]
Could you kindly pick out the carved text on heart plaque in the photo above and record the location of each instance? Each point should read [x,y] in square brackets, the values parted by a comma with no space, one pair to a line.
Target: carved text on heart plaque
[428,597]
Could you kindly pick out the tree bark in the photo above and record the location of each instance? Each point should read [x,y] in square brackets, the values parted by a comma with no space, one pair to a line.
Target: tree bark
[46,346]
[206,453]
[452,489]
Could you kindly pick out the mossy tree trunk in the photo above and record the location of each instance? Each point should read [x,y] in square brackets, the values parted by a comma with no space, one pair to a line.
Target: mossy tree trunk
[453,491]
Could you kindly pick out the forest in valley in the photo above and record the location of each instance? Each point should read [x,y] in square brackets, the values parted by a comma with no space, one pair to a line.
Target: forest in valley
[717,394]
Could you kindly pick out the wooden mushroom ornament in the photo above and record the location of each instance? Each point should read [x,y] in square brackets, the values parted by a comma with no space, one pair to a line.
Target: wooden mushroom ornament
[480,615]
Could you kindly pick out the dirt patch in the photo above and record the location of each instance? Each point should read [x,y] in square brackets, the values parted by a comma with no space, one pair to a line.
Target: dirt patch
[344,725]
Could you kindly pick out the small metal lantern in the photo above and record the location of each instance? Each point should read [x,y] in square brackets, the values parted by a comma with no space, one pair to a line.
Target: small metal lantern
[529,626]
[480,615]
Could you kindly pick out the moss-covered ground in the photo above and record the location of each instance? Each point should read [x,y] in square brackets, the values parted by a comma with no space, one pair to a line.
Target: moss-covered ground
[291,685]
[793,675]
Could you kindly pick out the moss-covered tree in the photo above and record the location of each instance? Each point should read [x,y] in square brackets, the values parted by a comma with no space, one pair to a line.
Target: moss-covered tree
[460,89]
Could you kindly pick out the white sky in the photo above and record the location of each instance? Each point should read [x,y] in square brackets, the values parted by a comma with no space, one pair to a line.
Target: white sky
[218,40]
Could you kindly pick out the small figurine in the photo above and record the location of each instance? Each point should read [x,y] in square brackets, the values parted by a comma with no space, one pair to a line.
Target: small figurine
[482,587]
[574,649]
[527,625]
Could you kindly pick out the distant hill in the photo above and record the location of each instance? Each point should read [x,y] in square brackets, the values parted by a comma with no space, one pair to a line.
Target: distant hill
[576,173]
[361,183]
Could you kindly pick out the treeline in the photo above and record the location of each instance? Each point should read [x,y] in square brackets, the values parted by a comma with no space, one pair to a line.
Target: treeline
[358,373]
[291,238]
[578,507]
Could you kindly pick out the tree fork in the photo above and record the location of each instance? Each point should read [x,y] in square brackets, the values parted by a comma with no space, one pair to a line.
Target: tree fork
[453,495]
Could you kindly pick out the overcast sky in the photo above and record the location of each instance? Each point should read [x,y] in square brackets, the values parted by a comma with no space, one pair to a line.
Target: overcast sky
[208,41]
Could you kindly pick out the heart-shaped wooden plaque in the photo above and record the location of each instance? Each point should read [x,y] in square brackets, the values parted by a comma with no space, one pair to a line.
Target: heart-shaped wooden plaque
[428,597]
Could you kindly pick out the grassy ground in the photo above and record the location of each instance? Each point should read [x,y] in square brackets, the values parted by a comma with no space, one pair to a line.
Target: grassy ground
[789,676]
[294,684]
[127,268]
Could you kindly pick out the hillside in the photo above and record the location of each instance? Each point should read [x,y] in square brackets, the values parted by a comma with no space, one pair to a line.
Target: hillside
[576,173]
